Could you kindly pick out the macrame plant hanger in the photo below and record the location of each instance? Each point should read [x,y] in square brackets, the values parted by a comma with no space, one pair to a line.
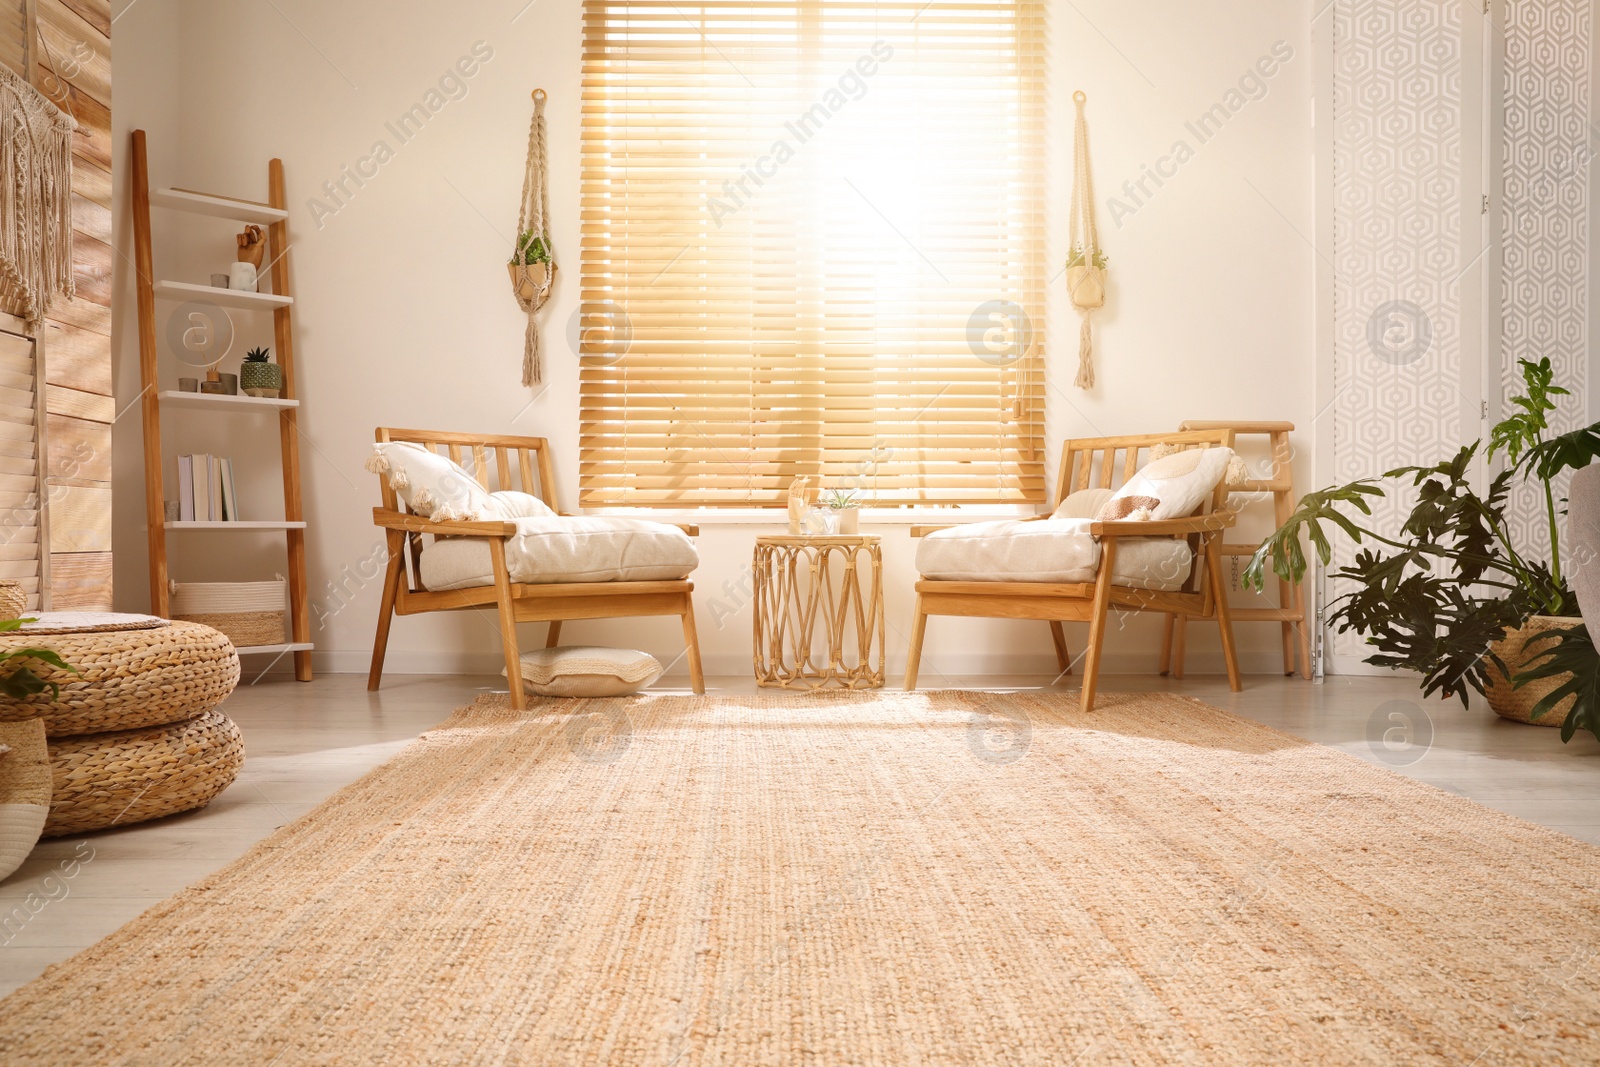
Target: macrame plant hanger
[531,280]
[1086,274]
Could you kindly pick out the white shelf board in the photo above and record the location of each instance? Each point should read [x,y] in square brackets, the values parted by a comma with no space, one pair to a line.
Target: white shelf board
[254,650]
[222,207]
[233,298]
[179,398]
[194,524]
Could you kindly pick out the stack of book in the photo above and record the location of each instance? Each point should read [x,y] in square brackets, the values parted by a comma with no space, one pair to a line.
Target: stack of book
[205,489]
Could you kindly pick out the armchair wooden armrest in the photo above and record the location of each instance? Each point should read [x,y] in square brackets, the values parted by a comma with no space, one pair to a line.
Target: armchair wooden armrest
[396,520]
[1213,522]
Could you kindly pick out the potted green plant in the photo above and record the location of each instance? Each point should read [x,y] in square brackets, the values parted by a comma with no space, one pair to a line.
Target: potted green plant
[845,506]
[17,682]
[531,265]
[1449,595]
[258,376]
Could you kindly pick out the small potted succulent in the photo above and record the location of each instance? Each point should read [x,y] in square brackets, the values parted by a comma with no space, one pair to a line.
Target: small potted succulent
[845,506]
[531,265]
[258,376]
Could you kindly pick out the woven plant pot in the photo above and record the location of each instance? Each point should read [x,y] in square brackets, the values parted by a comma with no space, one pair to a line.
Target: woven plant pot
[527,279]
[128,678]
[1517,704]
[129,776]
[261,379]
[13,601]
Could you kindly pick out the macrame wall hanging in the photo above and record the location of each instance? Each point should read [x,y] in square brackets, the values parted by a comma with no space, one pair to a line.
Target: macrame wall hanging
[1086,266]
[533,264]
[35,200]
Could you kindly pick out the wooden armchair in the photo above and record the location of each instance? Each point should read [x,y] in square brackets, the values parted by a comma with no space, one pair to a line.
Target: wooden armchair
[520,463]
[1086,462]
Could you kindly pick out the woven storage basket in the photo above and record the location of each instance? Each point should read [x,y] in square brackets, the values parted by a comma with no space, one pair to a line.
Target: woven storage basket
[129,776]
[1517,704]
[128,678]
[250,613]
[13,601]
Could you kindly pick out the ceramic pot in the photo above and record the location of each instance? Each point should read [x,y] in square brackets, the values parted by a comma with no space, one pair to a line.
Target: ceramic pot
[261,379]
[1517,704]
[527,278]
[849,521]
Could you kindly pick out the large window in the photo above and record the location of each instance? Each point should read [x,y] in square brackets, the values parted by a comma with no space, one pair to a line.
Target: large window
[813,243]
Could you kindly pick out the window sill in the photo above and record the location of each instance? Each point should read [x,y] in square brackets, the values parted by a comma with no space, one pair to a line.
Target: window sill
[780,517]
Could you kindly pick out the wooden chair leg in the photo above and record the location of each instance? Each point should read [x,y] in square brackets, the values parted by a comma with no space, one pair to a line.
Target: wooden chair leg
[1180,645]
[691,641]
[1063,654]
[1166,643]
[391,590]
[914,657]
[1224,613]
[508,623]
[1097,624]
[553,637]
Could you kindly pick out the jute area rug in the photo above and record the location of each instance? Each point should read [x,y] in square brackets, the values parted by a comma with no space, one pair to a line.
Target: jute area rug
[934,878]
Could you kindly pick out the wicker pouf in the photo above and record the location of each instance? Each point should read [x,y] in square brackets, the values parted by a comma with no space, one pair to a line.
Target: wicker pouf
[128,776]
[129,678]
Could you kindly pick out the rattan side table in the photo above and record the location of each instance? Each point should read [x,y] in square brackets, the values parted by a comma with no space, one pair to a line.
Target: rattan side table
[812,601]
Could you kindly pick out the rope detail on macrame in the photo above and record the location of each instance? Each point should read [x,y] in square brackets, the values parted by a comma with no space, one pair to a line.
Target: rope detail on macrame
[35,200]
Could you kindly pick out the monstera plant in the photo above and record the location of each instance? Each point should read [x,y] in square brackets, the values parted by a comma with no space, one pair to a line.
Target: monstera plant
[1448,594]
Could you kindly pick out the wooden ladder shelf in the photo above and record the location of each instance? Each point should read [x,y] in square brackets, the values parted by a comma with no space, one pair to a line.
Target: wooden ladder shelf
[274,215]
[1290,614]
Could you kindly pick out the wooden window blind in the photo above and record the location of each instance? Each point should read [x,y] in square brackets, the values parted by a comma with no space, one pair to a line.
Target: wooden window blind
[812,244]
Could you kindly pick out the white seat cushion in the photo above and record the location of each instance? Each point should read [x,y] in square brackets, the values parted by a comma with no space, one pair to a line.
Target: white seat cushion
[1049,550]
[565,548]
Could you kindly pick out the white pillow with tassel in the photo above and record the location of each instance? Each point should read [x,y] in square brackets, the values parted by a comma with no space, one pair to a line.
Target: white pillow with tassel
[432,485]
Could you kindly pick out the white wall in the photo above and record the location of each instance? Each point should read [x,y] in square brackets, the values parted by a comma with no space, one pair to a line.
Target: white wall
[404,316]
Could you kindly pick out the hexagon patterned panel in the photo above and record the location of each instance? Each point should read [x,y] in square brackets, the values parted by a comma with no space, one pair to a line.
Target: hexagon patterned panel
[1545,280]
[1397,244]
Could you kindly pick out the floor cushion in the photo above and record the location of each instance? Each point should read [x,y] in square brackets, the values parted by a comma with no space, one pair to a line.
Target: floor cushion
[1048,550]
[565,548]
[588,671]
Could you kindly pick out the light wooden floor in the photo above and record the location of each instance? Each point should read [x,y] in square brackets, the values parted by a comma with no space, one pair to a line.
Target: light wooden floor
[306,740]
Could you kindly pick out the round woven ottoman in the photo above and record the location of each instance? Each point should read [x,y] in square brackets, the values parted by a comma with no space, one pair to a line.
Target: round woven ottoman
[137,733]
[127,677]
[128,776]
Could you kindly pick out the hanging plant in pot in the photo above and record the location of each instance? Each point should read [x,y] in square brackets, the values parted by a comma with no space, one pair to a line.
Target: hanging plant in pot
[1449,595]
[258,376]
[531,266]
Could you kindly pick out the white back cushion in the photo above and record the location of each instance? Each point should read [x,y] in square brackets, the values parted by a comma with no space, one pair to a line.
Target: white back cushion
[1182,481]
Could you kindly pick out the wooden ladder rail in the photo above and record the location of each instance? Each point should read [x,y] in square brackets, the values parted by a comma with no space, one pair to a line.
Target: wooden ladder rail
[288,425]
[1290,613]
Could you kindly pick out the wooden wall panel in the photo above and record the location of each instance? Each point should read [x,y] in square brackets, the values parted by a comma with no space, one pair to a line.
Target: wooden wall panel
[80,451]
[78,404]
[96,13]
[80,581]
[77,358]
[77,519]
[73,68]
